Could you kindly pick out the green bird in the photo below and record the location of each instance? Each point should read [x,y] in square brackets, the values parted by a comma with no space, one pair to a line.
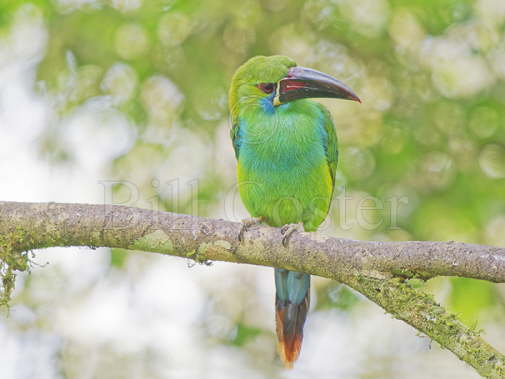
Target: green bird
[286,148]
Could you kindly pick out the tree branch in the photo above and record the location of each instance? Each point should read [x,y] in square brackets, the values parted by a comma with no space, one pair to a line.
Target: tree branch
[376,269]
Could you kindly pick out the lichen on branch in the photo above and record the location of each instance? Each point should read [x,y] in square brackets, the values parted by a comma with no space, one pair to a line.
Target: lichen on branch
[379,270]
[12,260]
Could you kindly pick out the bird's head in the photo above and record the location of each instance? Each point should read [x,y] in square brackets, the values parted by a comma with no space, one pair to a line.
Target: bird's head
[276,80]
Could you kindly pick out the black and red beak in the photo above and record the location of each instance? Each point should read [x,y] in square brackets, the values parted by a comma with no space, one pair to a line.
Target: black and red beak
[302,83]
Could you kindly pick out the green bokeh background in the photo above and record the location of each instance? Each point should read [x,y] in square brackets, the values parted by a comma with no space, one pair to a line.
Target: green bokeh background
[423,158]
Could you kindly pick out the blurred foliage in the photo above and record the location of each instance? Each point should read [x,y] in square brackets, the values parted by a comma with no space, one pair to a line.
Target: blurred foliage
[244,333]
[118,257]
[469,297]
[336,295]
[422,158]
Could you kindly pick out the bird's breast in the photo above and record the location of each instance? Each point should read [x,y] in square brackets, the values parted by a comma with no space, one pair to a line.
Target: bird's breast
[279,144]
[284,176]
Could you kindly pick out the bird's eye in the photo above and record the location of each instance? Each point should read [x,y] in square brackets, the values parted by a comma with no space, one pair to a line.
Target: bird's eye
[266,87]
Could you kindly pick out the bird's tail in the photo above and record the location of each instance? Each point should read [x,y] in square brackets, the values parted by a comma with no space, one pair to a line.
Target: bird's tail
[292,300]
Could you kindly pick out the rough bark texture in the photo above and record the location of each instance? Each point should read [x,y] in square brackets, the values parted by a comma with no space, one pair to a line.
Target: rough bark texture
[376,269]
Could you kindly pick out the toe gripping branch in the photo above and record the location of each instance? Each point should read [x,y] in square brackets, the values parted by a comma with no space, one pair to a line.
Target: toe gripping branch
[247,224]
[288,230]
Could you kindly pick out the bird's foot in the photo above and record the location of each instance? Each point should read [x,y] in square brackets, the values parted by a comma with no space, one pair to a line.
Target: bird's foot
[288,230]
[246,224]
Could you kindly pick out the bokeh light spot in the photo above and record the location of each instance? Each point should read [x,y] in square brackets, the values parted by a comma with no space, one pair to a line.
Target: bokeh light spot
[492,161]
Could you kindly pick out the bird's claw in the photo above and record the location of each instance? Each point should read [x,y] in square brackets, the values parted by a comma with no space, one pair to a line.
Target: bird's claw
[288,230]
[246,224]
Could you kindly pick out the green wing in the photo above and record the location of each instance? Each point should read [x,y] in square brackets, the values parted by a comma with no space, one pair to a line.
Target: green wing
[330,143]
[235,137]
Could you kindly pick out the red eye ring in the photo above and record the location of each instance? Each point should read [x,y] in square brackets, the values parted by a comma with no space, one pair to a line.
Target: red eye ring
[266,87]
